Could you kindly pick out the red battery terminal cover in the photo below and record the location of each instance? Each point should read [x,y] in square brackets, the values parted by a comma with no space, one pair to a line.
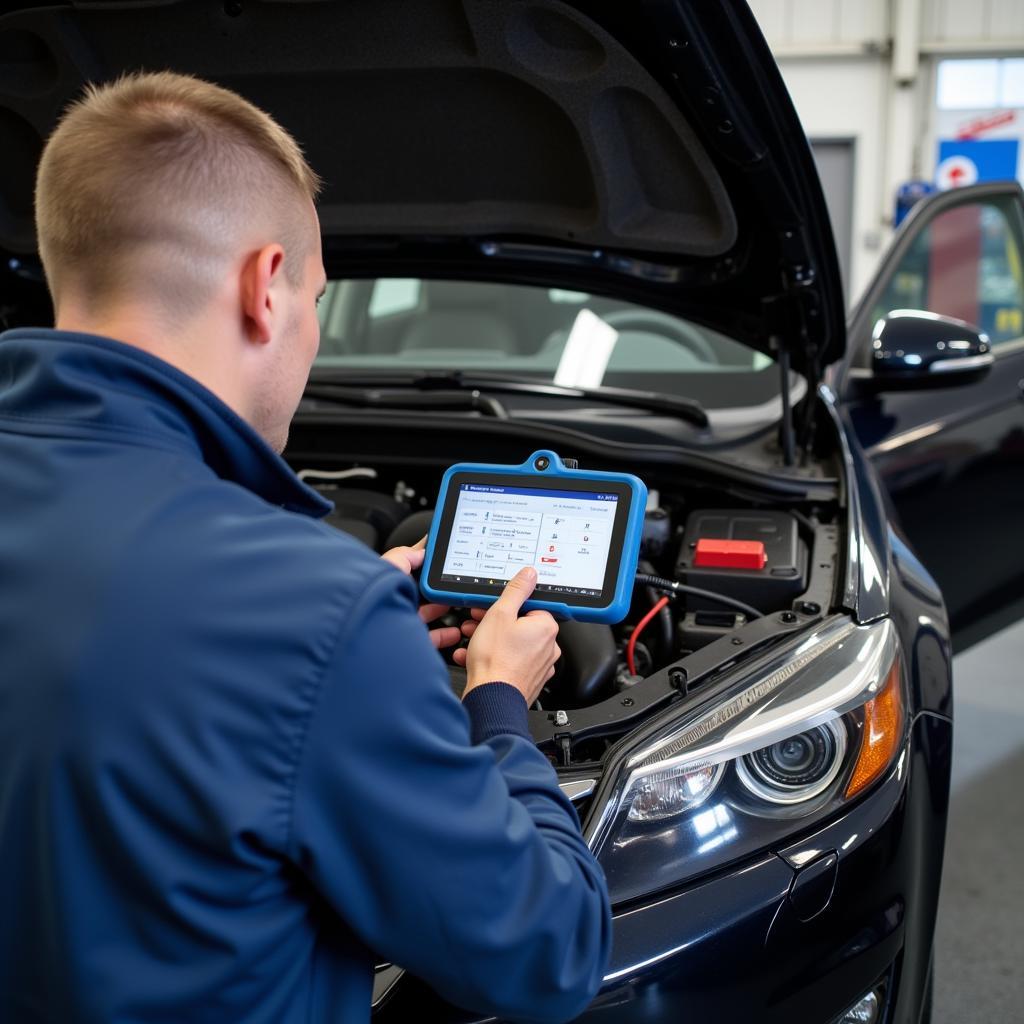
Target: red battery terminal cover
[730,554]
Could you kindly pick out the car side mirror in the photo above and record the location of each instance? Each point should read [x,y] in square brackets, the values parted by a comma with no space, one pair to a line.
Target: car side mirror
[911,348]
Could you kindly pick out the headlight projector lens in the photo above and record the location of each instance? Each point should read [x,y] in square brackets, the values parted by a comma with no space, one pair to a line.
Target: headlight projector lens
[796,768]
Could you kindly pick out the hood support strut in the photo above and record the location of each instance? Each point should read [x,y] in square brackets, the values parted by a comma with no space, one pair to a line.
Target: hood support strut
[786,427]
[785,319]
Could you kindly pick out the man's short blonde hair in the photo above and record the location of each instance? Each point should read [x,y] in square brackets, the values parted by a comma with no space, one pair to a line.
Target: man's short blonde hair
[150,185]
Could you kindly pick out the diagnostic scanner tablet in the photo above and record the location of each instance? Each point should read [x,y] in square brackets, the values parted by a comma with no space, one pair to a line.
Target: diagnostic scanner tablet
[579,530]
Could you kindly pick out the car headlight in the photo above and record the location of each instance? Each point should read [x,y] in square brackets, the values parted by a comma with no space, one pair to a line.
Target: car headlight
[797,768]
[801,732]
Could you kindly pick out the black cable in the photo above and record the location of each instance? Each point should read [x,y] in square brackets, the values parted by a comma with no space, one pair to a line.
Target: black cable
[664,618]
[674,587]
[803,520]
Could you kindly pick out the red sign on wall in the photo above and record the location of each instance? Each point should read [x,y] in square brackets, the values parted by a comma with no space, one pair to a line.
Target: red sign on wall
[974,128]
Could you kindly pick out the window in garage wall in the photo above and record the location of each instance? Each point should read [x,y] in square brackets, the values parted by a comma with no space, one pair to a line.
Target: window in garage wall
[981,83]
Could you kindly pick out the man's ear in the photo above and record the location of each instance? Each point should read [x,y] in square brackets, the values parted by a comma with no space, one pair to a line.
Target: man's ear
[260,273]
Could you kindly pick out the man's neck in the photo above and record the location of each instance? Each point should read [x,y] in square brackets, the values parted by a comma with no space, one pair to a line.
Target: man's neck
[123,325]
[186,348]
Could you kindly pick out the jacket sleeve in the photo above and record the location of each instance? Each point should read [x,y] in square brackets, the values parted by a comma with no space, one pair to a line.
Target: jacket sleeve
[462,863]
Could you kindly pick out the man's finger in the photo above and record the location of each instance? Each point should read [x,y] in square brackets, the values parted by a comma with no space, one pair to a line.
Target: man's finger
[517,591]
[477,613]
[459,656]
[469,627]
[445,636]
[405,558]
[430,612]
[421,544]
[549,620]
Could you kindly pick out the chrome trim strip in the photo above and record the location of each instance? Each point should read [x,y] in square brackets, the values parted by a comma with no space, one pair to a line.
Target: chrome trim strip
[385,978]
[964,363]
[657,958]
[907,437]
[578,788]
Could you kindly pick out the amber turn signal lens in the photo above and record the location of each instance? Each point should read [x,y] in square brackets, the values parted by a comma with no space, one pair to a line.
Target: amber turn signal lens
[883,727]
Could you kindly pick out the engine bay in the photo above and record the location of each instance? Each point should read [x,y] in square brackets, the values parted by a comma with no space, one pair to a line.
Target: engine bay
[720,572]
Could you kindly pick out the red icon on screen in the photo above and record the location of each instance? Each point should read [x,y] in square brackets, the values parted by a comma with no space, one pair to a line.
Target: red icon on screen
[549,559]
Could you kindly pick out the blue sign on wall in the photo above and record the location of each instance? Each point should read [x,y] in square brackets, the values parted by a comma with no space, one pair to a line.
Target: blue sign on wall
[909,193]
[965,161]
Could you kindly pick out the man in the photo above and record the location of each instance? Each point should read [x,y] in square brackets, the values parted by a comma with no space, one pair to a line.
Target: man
[232,771]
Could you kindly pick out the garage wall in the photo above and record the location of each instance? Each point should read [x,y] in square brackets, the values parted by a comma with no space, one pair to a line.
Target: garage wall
[977,22]
[795,24]
[864,71]
[850,108]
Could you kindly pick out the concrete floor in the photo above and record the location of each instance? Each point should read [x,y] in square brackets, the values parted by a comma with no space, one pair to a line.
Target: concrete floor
[979,941]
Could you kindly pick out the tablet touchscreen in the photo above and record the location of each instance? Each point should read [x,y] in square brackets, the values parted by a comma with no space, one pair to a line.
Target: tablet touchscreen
[570,531]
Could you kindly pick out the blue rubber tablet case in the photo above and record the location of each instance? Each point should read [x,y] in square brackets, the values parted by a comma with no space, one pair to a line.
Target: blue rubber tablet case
[580,530]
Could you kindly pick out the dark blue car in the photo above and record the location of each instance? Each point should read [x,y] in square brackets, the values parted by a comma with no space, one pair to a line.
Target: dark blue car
[596,227]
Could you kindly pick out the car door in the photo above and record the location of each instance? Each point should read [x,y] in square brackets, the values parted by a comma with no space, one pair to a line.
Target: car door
[952,458]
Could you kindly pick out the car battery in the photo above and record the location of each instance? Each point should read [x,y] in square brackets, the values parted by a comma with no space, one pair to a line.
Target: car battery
[755,557]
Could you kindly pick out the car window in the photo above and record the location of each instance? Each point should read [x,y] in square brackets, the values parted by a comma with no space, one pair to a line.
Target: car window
[394,295]
[966,264]
[567,336]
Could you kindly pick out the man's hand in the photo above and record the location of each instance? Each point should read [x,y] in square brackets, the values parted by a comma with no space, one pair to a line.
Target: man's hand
[507,647]
[407,559]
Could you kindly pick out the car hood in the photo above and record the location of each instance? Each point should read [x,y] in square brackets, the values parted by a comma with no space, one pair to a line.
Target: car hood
[646,150]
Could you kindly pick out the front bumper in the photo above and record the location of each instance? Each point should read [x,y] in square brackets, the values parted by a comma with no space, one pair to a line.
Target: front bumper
[786,937]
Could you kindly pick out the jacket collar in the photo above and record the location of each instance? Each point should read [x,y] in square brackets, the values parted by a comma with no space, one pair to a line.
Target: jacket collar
[85,385]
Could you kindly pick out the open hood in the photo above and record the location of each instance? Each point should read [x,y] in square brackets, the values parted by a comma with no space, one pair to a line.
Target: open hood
[647,149]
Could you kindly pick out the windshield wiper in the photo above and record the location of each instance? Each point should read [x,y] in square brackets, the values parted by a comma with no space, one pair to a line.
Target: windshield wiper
[434,401]
[686,409]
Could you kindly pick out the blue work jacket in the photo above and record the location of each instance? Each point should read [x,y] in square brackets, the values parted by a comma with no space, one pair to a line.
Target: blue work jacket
[232,770]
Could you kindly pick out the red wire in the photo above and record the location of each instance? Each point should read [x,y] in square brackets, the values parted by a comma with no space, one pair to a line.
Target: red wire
[631,646]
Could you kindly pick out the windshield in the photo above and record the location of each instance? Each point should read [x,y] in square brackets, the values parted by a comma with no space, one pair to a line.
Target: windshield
[566,337]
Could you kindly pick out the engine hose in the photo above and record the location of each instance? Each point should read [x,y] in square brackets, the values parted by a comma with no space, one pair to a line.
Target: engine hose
[666,639]
[675,587]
